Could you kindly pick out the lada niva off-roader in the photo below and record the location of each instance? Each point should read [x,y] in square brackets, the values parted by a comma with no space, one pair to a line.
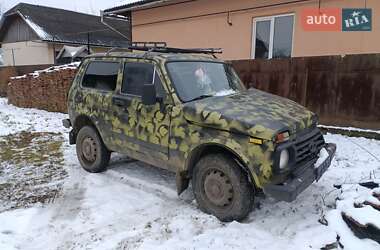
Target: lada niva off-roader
[190,113]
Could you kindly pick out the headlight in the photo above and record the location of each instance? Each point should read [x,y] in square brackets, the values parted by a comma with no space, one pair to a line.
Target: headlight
[284,159]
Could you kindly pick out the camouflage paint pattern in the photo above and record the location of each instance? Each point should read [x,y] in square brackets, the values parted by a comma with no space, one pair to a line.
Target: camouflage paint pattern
[166,134]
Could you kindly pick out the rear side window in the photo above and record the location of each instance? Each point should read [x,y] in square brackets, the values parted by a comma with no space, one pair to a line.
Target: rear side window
[101,75]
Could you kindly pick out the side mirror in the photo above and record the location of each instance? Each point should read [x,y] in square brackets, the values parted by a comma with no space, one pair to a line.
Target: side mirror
[149,94]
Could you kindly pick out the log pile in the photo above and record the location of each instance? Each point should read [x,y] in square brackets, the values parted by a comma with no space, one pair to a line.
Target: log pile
[46,89]
[360,210]
[364,231]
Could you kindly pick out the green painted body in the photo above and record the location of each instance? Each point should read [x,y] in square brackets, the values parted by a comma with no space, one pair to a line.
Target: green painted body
[169,133]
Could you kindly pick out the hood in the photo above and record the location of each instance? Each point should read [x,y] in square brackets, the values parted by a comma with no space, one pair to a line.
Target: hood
[252,112]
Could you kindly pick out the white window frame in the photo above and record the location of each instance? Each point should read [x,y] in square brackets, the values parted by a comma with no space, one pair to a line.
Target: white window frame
[271,33]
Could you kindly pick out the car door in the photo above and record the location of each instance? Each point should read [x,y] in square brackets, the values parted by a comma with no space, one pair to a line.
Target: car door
[144,129]
[99,82]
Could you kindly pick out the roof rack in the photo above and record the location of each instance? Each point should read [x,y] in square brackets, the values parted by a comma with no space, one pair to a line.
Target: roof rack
[138,44]
[116,49]
[161,47]
[178,50]
[149,44]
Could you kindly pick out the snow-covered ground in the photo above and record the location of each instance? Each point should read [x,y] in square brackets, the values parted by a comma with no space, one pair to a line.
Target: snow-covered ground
[133,205]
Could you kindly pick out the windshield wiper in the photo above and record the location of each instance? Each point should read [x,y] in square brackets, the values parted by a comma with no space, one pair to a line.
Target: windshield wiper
[200,97]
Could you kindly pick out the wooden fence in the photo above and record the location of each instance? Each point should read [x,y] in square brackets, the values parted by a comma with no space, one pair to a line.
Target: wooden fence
[342,90]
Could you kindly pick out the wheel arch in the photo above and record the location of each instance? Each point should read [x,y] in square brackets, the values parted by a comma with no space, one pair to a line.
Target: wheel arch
[83,120]
[215,148]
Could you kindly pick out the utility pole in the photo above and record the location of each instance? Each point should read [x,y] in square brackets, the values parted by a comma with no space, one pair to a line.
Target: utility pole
[13,57]
[54,59]
[88,43]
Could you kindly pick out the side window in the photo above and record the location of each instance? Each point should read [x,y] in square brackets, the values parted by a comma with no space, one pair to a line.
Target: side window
[101,75]
[135,76]
[138,74]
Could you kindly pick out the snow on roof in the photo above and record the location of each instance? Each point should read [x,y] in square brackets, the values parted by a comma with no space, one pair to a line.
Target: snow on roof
[64,26]
[35,27]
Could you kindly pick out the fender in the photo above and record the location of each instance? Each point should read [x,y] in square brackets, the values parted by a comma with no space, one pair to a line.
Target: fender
[182,178]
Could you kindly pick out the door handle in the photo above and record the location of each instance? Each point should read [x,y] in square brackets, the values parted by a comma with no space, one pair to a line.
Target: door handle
[118,101]
[121,101]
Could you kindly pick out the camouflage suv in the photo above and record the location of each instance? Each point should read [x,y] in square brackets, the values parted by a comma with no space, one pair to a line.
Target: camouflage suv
[190,113]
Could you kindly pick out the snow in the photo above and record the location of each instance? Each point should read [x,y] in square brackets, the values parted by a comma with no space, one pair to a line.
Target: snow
[364,215]
[135,206]
[15,224]
[323,155]
[37,73]
[18,77]
[36,28]
[14,119]
[350,129]
[225,92]
[352,193]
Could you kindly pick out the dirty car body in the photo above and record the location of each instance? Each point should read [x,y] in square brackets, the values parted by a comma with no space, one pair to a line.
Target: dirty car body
[274,140]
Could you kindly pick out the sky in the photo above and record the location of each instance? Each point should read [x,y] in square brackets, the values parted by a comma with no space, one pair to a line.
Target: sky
[86,6]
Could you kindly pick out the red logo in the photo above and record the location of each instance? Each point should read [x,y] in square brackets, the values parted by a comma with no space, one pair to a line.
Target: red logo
[322,19]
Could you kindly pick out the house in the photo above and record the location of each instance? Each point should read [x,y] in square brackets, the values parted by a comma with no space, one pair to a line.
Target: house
[34,35]
[253,29]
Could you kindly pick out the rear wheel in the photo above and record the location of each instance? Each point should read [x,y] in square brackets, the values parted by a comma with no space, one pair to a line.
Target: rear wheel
[91,151]
[222,188]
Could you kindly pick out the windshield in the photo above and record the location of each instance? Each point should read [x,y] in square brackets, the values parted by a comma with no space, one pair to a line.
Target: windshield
[194,80]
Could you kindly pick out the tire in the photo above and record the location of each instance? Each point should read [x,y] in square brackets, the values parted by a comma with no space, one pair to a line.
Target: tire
[91,151]
[222,188]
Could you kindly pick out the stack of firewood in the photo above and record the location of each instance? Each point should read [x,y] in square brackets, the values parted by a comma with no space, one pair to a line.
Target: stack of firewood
[42,90]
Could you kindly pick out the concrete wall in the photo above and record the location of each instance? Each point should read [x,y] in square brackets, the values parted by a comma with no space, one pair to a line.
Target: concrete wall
[157,24]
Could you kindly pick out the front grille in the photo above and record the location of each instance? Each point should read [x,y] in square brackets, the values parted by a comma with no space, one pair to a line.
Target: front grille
[308,145]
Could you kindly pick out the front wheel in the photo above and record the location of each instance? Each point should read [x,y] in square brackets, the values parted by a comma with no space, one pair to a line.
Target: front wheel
[222,188]
[91,151]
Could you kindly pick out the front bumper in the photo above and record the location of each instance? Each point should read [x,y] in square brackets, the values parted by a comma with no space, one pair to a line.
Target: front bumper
[301,178]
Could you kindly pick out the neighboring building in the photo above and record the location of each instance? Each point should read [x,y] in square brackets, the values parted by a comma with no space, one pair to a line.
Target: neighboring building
[246,28]
[34,35]
[69,54]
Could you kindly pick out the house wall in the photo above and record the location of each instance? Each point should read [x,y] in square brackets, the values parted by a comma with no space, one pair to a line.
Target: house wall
[34,53]
[156,24]
[27,53]
[19,31]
